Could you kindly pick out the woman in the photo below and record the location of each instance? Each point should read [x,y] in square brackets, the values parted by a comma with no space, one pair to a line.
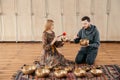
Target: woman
[51,57]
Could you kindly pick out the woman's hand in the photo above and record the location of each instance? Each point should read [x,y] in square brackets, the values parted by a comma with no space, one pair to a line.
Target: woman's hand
[55,39]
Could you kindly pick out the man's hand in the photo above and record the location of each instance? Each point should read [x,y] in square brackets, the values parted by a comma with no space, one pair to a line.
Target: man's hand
[85,45]
[76,37]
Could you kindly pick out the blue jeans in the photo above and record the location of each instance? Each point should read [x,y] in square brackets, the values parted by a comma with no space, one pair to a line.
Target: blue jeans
[86,54]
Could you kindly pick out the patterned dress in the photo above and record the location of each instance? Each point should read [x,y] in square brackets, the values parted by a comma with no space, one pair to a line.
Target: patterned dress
[51,56]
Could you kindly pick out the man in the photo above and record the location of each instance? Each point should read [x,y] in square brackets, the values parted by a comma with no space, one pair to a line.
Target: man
[87,53]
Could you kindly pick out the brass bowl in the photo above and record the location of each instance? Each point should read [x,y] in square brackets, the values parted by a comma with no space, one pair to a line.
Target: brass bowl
[68,69]
[84,42]
[58,68]
[87,69]
[48,67]
[60,73]
[79,72]
[28,69]
[41,73]
[96,72]
[98,67]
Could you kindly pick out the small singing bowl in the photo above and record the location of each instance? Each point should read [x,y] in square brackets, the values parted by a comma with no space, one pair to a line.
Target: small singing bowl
[60,73]
[96,72]
[80,72]
[98,67]
[48,67]
[57,68]
[28,69]
[84,42]
[68,69]
[42,73]
[87,69]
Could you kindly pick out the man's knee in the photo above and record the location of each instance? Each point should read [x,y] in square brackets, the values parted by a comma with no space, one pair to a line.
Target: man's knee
[91,59]
[79,58]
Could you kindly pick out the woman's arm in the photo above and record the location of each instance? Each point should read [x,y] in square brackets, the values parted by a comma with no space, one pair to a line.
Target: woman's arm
[46,46]
[54,40]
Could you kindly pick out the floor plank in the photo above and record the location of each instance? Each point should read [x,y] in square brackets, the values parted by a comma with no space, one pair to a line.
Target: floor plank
[14,55]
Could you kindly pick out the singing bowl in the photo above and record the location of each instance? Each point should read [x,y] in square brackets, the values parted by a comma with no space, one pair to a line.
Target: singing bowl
[68,69]
[42,73]
[57,68]
[84,42]
[96,72]
[60,73]
[87,69]
[49,67]
[80,72]
[98,67]
[28,69]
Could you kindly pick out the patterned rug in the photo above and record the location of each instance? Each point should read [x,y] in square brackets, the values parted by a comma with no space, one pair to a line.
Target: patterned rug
[110,72]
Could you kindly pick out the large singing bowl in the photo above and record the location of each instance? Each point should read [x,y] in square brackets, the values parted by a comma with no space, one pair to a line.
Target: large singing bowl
[28,69]
[60,73]
[84,42]
[41,73]
[96,72]
[79,72]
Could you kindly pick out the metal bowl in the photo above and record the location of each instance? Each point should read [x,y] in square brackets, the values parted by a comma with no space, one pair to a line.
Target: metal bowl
[80,72]
[96,72]
[48,67]
[84,42]
[60,73]
[41,73]
[57,68]
[68,69]
[28,69]
[87,69]
[98,67]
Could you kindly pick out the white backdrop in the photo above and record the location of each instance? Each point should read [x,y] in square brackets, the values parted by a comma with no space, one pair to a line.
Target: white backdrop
[23,20]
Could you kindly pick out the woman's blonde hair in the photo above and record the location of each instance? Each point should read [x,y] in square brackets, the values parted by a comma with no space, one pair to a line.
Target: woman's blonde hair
[48,24]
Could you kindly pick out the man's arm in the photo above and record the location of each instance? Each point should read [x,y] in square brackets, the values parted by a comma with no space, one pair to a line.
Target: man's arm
[96,42]
[77,40]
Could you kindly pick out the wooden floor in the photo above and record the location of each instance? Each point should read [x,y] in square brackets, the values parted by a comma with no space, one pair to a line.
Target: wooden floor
[14,55]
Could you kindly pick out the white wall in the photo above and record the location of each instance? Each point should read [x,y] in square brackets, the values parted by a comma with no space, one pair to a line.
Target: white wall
[23,20]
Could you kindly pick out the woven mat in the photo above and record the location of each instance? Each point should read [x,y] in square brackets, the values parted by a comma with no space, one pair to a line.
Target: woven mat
[110,72]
